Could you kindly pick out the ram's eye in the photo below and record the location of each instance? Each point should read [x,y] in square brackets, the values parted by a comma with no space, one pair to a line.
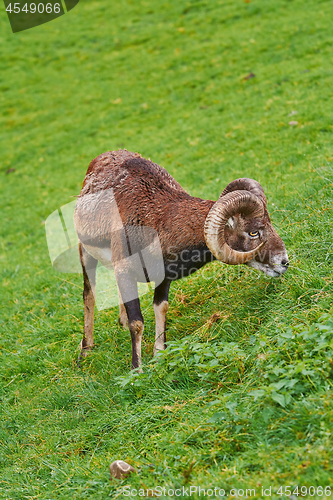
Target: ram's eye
[253,233]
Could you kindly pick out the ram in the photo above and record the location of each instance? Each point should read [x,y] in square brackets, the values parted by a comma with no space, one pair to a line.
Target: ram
[133,217]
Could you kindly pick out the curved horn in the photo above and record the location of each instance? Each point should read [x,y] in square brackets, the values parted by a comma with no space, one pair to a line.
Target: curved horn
[247,185]
[225,207]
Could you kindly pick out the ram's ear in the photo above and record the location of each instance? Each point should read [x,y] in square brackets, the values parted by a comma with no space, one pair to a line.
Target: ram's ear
[231,223]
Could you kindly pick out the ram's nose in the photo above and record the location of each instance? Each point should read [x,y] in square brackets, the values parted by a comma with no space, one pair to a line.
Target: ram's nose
[283,267]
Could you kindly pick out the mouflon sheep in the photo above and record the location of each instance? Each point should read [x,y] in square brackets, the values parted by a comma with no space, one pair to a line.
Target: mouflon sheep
[133,217]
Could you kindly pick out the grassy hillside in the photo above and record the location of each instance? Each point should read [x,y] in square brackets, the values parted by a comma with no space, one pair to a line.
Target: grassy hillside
[242,398]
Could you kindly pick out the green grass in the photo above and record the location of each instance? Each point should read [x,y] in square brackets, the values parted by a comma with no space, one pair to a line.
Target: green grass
[241,402]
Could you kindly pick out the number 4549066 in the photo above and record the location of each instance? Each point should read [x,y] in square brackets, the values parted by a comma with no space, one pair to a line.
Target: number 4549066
[32,8]
[303,491]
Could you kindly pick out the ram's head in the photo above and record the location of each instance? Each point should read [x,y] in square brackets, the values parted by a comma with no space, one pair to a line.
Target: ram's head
[238,229]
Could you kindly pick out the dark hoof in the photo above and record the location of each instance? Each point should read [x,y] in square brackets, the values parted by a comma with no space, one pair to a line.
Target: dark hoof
[83,353]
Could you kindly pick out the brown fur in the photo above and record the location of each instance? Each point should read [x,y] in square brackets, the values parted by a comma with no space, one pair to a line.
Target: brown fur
[123,192]
[146,195]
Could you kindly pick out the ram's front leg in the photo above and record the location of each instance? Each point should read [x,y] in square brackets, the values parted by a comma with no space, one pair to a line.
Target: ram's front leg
[161,306]
[127,290]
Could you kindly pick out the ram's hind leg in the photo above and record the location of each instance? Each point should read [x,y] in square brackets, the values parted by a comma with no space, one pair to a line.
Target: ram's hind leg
[89,265]
[128,289]
[123,319]
[161,306]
